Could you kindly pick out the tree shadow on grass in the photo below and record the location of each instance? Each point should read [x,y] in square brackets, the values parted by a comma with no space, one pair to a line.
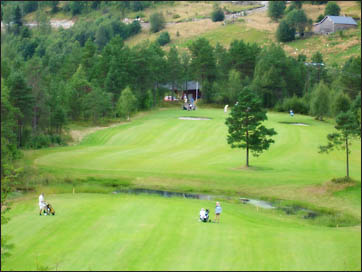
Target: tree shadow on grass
[252,168]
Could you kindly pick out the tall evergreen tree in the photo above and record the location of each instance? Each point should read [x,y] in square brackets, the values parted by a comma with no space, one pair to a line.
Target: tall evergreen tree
[21,97]
[245,129]
[203,64]
[174,68]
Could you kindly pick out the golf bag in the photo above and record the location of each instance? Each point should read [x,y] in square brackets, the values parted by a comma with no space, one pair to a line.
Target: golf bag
[206,218]
[49,209]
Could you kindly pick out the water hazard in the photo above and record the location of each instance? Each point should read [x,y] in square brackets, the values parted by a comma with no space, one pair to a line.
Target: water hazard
[255,202]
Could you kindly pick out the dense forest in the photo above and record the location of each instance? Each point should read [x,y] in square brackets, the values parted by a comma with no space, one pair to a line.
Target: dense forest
[50,77]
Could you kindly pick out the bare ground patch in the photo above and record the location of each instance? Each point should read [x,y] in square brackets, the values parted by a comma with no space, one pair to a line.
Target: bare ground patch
[78,135]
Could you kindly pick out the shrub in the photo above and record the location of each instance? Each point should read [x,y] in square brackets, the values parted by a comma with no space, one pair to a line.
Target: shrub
[164,38]
[157,22]
[38,141]
[217,15]
[320,18]
[276,9]
[297,104]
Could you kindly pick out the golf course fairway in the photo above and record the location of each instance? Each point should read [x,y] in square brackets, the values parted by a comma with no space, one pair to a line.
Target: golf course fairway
[94,229]
[141,232]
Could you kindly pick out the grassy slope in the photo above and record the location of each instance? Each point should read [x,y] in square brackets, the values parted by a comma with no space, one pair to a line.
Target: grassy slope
[161,151]
[120,232]
[256,27]
[260,29]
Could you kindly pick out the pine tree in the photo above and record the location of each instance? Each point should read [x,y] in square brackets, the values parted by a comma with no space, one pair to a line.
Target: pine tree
[244,125]
[348,127]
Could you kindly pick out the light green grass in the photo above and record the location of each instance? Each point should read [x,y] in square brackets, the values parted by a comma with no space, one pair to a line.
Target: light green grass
[226,34]
[162,152]
[127,232]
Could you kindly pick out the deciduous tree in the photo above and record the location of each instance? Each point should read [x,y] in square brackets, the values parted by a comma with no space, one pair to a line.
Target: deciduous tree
[127,103]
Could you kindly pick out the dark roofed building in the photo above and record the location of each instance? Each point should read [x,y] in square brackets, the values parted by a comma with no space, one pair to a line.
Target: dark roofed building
[189,88]
[331,24]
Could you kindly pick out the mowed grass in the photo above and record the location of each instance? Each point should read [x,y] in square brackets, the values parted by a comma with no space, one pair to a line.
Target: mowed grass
[160,151]
[129,232]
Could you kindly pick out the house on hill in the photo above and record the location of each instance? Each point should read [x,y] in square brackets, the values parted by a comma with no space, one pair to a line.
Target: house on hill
[332,24]
[188,88]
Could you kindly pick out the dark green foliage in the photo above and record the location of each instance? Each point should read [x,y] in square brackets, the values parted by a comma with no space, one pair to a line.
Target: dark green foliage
[96,104]
[320,18]
[297,4]
[21,97]
[276,9]
[298,20]
[103,35]
[58,118]
[148,101]
[164,38]
[351,77]
[17,17]
[342,103]
[127,103]
[348,127]
[242,57]
[174,68]
[77,88]
[139,5]
[285,32]
[293,6]
[277,76]
[39,141]
[157,22]
[17,20]
[217,14]
[332,8]
[320,103]
[203,64]
[95,4]
[76,7]
[302,58]
[317,57]
[244,125]
[30,6]
[9,115]
[54,6]
[297,104]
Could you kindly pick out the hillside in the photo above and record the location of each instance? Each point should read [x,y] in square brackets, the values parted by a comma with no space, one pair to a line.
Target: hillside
[188,20]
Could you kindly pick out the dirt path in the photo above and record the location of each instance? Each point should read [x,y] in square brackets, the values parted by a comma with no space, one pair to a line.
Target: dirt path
[53,23]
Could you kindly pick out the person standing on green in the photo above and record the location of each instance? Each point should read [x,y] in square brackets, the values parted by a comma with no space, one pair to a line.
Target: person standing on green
[218,210]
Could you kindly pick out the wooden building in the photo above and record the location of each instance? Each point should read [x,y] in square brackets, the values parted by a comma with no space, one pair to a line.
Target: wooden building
[188,88]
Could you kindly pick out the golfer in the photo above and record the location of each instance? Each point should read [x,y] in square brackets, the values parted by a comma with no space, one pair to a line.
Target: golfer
[42,203]
[217,212]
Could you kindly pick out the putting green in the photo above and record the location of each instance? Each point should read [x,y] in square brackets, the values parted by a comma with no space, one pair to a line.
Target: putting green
[128,232]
